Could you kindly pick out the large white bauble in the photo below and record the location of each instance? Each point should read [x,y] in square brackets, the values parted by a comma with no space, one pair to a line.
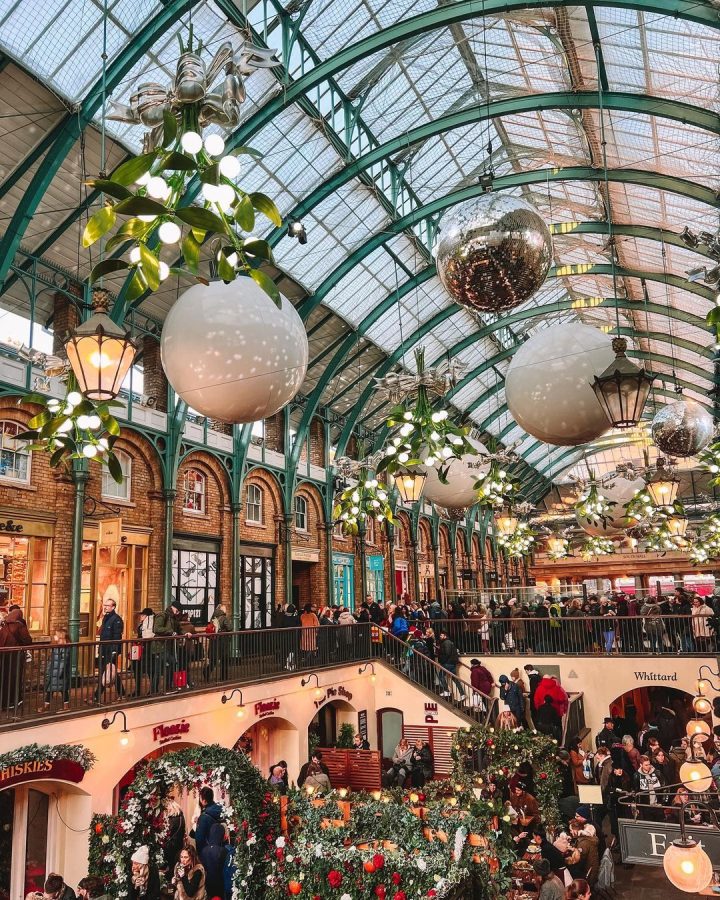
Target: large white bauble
[231,354]
[461,475]
[548,384]
[621,490]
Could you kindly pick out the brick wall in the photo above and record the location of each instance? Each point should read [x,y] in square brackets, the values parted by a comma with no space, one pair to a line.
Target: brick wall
[155,384]
[65,319]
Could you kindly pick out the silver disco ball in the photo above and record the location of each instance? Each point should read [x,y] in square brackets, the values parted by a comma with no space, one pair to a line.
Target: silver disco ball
[493,253]
[683,428]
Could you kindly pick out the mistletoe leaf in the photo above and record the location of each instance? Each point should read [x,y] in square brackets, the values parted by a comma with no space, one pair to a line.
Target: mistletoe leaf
[266,206]
[268,285]
[170,129]
[135,168]
[150,267]
[204,219]
[141,206]
[177,162]
[115,469]
[112,188]
[98,225]
[191,252]
[38,421]
[106,267]
[245,213]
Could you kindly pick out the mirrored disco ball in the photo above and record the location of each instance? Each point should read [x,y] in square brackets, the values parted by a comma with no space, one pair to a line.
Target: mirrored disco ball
[493,253]
[683,428]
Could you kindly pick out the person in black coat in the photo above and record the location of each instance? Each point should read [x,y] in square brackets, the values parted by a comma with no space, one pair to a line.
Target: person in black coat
[291,620]
[111,632]
[422,764]
[608,736]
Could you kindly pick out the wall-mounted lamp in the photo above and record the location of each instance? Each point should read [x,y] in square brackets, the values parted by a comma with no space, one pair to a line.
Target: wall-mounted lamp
[240,712]
[318,692]
[127,739]
[371,666]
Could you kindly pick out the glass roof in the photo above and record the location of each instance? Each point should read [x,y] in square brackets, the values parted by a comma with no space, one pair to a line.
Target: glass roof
[382,95]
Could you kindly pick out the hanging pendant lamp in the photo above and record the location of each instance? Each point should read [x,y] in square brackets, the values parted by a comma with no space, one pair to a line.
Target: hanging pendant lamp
[623,388]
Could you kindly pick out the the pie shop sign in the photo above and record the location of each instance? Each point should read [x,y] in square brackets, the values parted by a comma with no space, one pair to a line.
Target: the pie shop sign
[60,769]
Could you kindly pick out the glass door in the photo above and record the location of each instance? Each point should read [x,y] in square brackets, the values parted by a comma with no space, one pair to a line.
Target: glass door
[256,591]
[24,844]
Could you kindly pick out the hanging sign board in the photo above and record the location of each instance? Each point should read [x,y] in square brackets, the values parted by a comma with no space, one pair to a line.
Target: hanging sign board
[109,531]
[645,843]
[59,769]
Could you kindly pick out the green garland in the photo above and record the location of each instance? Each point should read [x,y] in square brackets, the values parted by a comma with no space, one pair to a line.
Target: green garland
[251,814]
[501,753]
[41,752]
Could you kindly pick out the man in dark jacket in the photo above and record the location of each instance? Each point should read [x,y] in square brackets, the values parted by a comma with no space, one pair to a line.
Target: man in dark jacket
[291,643]
[481,678]
[608,735]
[547,719]
[511,695]
[376,612]
[165,625]
[211,841]
[422,764]
[111,632]
[448,657]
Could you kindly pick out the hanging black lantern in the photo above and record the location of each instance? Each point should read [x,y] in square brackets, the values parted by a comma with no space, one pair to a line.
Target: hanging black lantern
[623,388]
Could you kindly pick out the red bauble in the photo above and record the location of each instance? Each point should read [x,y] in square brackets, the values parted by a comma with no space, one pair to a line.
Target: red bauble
[396,878]
[421,798]
[399,895]
[294,887]
[378,860]
[98,828]
[380,891]
[334,878]
[369,866]
[543,776]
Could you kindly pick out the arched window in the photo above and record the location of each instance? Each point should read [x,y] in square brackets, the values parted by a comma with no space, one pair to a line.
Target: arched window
[194,490]
[254,504]
[112,488]
[14,458]
[301,513]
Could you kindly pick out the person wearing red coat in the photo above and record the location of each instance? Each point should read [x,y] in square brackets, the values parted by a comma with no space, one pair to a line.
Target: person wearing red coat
[549,687]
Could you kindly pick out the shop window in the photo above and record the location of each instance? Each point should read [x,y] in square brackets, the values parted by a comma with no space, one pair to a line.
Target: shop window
[195,583]
[110,487]
[119,572]
[254,504]
[370,531]
[194,490]
[14,458]
[24,577]
[301,513]
[256,596]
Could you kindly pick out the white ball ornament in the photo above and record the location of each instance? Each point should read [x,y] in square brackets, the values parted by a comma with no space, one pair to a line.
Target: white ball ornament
[621,491]
[230,166]
[548,384]
[461,475]
[191,142]
[231,354]
[214,144]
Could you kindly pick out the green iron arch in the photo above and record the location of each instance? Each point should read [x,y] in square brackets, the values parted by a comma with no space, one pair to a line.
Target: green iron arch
[611,100]
[539,176]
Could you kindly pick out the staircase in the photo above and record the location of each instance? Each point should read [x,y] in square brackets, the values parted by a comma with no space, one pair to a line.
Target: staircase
[446,689]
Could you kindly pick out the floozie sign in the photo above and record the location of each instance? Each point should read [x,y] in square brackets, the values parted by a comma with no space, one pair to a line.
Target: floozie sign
[264,708]
[164,734]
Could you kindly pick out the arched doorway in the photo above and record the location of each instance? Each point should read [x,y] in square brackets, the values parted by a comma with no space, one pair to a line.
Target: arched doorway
[667,707]
[390,730]
[268,741]
[324,729]
[128,778]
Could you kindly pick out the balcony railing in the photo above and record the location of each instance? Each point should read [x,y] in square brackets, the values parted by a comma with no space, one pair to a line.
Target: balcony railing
[657,635]
[45,679]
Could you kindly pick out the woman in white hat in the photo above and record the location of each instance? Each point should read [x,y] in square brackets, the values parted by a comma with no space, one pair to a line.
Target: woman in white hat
[144,877]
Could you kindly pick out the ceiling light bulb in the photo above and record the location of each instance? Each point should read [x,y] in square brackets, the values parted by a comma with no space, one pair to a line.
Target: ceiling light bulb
[169,233]
[191,142]
[229,166]
[158,188]
[214,144]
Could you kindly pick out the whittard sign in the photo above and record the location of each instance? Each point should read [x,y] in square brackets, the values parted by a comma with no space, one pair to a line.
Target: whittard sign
[645,843]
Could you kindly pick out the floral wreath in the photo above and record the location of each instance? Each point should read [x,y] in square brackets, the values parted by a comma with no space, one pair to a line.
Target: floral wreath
[250,812]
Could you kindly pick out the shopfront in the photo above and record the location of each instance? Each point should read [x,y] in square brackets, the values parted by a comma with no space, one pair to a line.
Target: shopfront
[25,565]
[257,585]
[344,579]
[402,579]
[427,581]
[114,566]
[40,806]
[195,577]
[376,577]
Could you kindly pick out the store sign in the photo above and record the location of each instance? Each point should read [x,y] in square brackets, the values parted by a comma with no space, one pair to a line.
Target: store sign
[60,769]
[431,713]
[265,708]
[363,723]
[109,532]
[656,676]
[375,563]
[305,554]
[332,693]
[165,734]
[645,843]
[10,526]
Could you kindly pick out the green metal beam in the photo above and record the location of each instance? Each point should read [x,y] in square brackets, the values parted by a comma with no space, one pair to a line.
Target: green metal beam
[595,35]
[539,176]
[565,100]
[69,129]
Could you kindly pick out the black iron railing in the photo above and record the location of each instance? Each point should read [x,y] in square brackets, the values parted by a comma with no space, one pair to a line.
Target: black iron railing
[659,634]
[44,679]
